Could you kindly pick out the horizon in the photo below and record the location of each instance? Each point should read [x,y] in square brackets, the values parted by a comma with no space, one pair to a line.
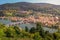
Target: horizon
[55,2]
[24,2]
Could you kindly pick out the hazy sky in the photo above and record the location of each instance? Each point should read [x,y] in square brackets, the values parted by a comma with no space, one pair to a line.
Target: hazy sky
[57,2]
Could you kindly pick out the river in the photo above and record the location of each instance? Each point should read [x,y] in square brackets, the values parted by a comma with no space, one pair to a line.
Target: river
[28,25]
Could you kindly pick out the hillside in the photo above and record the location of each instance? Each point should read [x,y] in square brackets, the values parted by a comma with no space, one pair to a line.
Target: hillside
[37,7]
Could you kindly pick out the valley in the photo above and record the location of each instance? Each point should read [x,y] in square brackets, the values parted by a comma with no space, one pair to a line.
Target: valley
[30,21]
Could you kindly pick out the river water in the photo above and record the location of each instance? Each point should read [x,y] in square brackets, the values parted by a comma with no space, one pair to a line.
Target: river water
[29,26]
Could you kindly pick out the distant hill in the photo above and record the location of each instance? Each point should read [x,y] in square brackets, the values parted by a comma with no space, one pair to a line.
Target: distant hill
[39,7]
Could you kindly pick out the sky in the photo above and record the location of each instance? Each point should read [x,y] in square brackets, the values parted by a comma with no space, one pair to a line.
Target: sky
[56,2]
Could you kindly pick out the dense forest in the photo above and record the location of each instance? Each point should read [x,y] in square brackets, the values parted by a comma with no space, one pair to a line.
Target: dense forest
[35,33]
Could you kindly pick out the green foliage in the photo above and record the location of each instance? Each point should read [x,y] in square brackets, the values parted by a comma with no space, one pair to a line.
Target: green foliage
[38,26]
[32,30]
[37,36]
[8,14]
[17,30]
[15,33]
[10,32]
[49,37]
[2,34]
[26,29]
[40,30]
[56,36]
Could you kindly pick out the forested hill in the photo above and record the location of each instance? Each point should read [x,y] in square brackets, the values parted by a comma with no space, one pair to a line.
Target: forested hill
[26,5]
[39,7]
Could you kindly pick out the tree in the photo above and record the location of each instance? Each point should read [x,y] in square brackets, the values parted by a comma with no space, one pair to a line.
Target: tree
[2,34]
[1,13]
[38,26]
[17,30]
[32,30]
[49,36]
[40,29]
[37,36]
[10,32]
[56,36]
[26,29]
